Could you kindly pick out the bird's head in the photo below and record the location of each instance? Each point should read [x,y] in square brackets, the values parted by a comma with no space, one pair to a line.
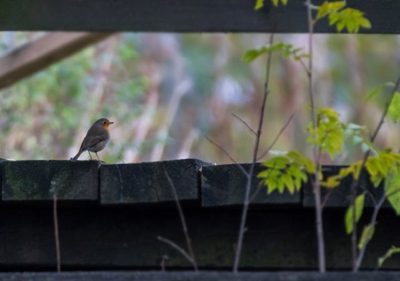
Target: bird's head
[104,122]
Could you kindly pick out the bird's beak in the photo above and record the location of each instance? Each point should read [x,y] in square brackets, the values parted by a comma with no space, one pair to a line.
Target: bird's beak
[111,123]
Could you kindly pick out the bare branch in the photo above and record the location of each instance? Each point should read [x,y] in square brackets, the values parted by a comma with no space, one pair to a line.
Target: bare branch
[164,259]
[56,232]
[183,221]
[326,198]
[244,123]
[276,137]
[370,195]
[179,249]
[316,182]
[385,111]
[228,155]
[303,64]
[242,227]
[255,193]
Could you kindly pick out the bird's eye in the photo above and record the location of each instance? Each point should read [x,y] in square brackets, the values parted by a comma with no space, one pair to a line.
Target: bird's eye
[104,122]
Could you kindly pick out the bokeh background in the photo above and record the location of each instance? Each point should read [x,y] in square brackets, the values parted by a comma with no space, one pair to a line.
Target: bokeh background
[167,93]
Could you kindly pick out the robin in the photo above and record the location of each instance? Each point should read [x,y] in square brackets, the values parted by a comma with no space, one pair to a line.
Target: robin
[96,138]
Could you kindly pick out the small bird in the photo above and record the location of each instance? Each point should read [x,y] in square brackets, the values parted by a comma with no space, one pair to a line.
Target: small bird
[96,138]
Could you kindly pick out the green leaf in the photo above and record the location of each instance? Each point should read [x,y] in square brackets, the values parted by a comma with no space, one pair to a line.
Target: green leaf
[252,54]
[358,135]
[394,108]
[329,7]
[287,50]
[389,253]
[259,4]
[380,166]
[365,23]
[392,189]
[366,236]
[286,172]
[276,2]
[359,203]
[329,134]
[350,19]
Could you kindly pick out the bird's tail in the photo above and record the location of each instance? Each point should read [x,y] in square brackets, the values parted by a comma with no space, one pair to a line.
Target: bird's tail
[77,155]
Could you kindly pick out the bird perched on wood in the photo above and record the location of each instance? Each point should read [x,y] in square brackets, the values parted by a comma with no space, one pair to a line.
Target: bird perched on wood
[96,138]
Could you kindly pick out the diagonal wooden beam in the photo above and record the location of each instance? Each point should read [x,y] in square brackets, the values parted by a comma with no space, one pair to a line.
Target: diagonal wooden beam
[43,52]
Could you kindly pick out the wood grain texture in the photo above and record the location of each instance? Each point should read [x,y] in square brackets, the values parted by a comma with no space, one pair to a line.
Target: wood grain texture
[32,181]
[180,16]
[148,183]
[224,185]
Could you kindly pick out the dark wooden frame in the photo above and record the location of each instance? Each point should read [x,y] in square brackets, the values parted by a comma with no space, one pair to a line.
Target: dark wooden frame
[180,16]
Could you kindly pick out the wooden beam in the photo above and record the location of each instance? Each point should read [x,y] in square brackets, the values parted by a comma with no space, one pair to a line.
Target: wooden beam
[43,52]
[159,275]
[180,16]
[95,237]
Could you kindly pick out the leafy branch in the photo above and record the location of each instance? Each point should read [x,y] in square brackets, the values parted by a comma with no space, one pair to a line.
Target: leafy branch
[285,49]
[336,12]
[389,253]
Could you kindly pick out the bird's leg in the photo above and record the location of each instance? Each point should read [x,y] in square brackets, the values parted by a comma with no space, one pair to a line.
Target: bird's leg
[98,159]
[90,155]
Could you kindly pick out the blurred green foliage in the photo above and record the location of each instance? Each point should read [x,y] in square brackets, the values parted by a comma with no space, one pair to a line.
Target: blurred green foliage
[131,77]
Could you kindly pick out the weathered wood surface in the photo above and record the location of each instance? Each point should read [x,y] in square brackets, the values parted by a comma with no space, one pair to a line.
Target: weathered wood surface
[195,181]
[38,180]
[125,238]
[43,52]
[199,276]
[180,16]
[226,184]
[148,182]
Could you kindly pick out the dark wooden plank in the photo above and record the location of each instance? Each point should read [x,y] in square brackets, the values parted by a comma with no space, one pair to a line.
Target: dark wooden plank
[125,238]
[224,185]
[37,180]
[43,52]
[147,182]
[179,16]
[199,276]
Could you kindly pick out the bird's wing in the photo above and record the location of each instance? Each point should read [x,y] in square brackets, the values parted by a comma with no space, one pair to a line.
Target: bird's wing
[89,142]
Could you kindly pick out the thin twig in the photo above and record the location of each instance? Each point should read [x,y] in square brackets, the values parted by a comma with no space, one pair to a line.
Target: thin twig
[228,155]
[326,198]
[316,181]
[179,249]
[163,262]
[56,232]
[255,193]
[244,123]
[183,221]
[276,137]
[304,66]
[242,227]
[370,195]
[386,110]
